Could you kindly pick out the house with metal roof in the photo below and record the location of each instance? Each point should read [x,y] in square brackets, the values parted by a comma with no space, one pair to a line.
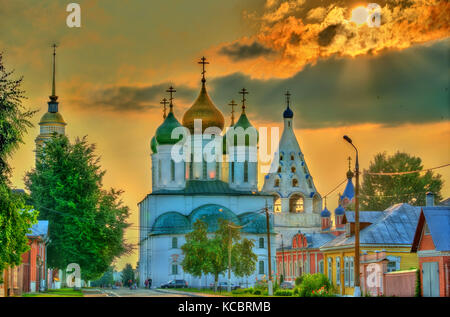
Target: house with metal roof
[390,231]
[432,245]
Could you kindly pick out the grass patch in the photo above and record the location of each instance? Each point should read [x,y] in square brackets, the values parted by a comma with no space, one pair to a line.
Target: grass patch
[221,293]
[63,292]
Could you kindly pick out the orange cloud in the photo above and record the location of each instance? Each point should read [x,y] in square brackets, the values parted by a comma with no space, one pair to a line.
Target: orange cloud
[302,34]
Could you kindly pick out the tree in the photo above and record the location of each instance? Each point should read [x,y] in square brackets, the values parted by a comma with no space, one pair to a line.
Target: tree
[106,279]
[379,192]
[86,222]
[128,275]
[15,217]
[209,255]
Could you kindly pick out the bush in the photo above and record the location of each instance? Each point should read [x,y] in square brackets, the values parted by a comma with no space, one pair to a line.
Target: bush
[295,292]
[261,285]
[298,280]
[315,285]
[238,291]
[257,292]
[418,290]
[283,292]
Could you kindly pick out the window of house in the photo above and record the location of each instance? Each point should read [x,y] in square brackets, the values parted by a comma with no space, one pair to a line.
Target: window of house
[174,269]
[352,272]
[393,264]
[261,243]
[330,269]
[321,268]
[346,271]
[292,157]
[279,169]
[261,267]
[294,183]
[174,243]
[245,171]
[281,157]
[277,183]
[293,169]
[338,271]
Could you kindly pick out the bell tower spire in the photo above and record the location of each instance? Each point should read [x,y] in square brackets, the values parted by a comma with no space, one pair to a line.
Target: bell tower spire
[53,103]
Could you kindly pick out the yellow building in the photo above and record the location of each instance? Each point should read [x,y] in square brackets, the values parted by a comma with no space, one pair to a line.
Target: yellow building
[391,231]
[52,121]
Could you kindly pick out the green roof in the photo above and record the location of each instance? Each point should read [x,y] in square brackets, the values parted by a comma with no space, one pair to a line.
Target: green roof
[164,132]
[210,187]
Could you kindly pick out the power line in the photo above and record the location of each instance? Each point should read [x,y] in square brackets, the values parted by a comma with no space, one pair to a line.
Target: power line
[404,173]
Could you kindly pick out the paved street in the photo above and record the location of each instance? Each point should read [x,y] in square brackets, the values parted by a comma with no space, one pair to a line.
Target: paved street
[126,292]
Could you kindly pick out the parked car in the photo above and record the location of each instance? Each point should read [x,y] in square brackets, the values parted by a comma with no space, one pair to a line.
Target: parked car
[223,286]
[287,285]
[175,284]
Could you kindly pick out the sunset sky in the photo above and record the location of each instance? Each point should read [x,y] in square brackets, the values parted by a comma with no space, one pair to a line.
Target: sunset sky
[386,87]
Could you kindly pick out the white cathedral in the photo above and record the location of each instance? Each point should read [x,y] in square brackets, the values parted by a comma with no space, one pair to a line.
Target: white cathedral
[184,191]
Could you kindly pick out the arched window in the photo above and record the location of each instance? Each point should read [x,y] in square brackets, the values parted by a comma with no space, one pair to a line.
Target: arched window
[292,157]
[191,167]
[172,170]
[205,170]
[294,182]
[281,157]
[296,203]
[174,269]
[245,171]
[261,267]
[174,243]
[261,243]
[159,170]
[293,169]
[217,170]
[277,204]
[279,169]
[277,183]
[232,172]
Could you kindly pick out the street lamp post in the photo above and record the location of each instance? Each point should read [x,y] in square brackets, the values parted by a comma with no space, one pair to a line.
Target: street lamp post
[269,284]
[357,292]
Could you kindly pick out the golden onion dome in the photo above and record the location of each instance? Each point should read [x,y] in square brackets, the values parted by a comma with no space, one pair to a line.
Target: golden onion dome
[52,117]
[204,109]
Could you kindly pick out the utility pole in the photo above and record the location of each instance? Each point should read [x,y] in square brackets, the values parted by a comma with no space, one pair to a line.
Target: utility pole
[229,259]
[270,288]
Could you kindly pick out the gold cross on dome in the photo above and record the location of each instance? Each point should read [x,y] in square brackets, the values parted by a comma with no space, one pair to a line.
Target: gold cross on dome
[288,97]
[171,90]
[203,62]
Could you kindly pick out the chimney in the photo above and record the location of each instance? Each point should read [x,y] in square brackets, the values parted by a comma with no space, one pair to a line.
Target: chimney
[429,200]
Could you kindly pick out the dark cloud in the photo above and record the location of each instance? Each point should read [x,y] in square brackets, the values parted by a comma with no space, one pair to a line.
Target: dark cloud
[129,98]
[327,35]
[392,89]
[237,51]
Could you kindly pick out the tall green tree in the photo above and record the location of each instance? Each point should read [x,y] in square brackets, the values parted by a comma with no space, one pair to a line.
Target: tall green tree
[128,275]
[209,255]
[380,192]
[106,279]
[15,217]
[86,222]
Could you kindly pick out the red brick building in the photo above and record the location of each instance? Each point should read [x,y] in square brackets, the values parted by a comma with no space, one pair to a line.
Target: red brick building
[432,244]
[303,255]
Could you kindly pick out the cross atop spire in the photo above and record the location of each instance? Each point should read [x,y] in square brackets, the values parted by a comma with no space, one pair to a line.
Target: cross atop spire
[243,92]
[164,102]
[203,62]
[171,90]
[288,98]
[232,104]
[53,97]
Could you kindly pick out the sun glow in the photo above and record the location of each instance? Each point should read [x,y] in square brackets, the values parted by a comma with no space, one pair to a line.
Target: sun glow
[360,15]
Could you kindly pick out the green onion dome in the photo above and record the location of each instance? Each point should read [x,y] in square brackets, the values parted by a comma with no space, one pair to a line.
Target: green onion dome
[164,132]
[153,145]
[244,123]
